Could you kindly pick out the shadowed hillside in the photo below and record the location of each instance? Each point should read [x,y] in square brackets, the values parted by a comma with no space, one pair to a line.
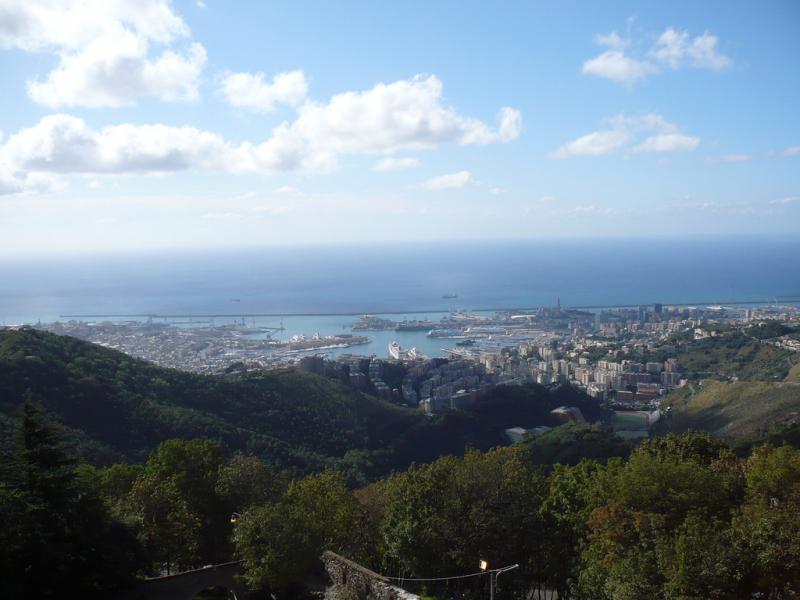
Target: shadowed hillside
[119,408]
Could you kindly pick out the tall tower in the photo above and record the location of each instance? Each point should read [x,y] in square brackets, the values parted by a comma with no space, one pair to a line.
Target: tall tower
[558,304]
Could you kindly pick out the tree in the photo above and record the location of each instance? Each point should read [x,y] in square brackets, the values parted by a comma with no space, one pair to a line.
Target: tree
[441,518]
[573,493]
[281,542]
[247,481]
[56,535]
[183,520]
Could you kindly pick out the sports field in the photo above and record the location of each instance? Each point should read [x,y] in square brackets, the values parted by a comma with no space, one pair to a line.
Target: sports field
[630,420]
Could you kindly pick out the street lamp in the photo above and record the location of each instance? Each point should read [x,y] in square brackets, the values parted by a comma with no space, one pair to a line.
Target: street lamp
[235,517]
[494,574]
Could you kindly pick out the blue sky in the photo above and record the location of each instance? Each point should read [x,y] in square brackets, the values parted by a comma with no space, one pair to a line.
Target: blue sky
[147,124]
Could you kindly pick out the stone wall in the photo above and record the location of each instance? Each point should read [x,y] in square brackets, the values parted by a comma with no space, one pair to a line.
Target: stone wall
[351,581]
[185,586]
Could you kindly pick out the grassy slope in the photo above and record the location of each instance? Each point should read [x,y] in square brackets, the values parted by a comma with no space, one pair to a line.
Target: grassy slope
[744,410]
[736,355]
[764,400]
[794,374]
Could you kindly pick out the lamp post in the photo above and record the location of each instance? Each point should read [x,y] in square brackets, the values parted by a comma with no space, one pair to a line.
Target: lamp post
[494,574]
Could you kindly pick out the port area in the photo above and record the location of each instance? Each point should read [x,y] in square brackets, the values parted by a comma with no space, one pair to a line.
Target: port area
[202,347]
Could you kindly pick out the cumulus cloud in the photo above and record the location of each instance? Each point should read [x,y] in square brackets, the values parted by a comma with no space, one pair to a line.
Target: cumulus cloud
[406,114]
[396,164]
[104,50]
[17,182]
[612,40]
[387,118]
[673,49]
[678,49]
[451,181]
[668,142]
[65,144]
[252,91]
[626,130]
[617,66]
[593,144]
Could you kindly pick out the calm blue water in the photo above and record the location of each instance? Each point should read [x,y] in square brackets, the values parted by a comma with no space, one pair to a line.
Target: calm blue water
[399,278]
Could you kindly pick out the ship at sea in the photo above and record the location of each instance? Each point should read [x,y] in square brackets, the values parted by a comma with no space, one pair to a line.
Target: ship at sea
[449,296]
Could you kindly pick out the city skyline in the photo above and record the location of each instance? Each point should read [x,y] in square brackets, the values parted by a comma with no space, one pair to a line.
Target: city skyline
[202,124]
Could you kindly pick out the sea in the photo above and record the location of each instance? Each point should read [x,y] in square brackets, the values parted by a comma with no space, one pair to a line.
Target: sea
[323,288]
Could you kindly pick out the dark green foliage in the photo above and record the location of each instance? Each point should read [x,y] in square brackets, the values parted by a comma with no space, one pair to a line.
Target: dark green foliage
[569,444]
[769,329]
[55,531]
[697,446]
[119,409]
[734,354]
[529,405]
[281,541]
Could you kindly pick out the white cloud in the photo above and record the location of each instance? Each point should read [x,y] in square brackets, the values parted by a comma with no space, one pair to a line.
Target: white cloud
[104,51]
[612,40]
[593,144]
[617,66]
[677,49]
[791,151]
[272,209]
[387,118]
[65,144]
[396,164]
[668,142]
[18,182]
[730,158]
[496,191]
[510,124]
[664,137]
[674,49]
[786,201]
[223,216]
[589,211]
[451,181]
[285,189]
[406,114]
[250,90]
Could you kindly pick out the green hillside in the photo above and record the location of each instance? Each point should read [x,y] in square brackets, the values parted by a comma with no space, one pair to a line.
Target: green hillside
[740,412]
[735,355]
[117,408]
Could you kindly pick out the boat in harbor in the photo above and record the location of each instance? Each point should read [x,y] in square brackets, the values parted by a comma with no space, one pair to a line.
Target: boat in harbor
[414,326]
[397,353]
[446,333]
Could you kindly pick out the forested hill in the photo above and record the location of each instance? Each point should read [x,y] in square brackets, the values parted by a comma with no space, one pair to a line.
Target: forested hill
[117,408]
